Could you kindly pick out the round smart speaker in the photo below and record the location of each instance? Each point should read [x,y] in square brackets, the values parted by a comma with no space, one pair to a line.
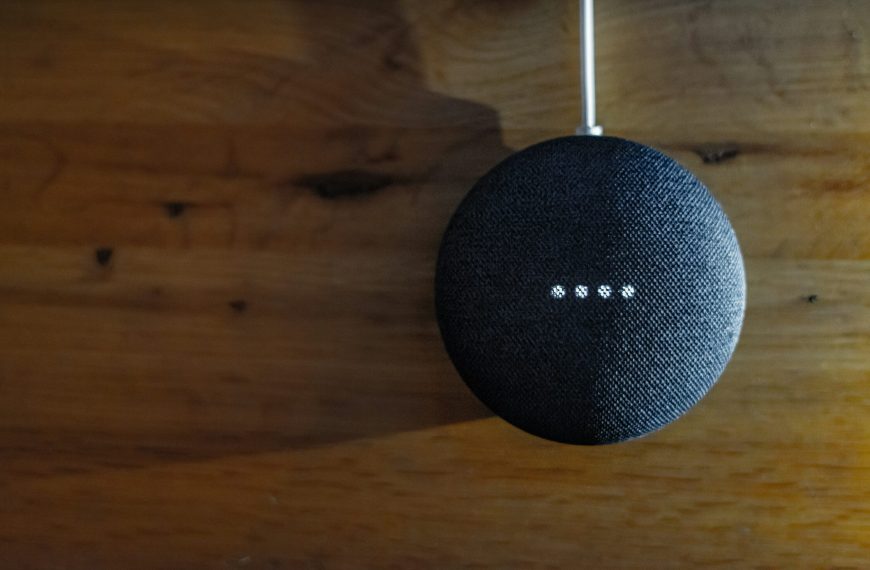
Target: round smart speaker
[589,290]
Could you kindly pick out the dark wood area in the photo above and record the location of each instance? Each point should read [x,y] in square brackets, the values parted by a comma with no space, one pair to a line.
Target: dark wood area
[217,237]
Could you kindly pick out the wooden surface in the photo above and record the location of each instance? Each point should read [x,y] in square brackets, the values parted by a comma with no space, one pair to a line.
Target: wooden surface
[217,234]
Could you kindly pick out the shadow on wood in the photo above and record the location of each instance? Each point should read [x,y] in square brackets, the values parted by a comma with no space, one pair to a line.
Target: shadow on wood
[255,276]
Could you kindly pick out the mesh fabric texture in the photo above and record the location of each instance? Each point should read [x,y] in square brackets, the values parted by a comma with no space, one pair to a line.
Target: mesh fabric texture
[591,216]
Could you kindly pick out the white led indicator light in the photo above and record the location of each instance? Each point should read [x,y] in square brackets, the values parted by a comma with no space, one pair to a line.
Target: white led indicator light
[557,292]
[604,291]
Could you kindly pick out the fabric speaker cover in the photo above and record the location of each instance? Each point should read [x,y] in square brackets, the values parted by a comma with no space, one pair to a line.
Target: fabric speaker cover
[589,290]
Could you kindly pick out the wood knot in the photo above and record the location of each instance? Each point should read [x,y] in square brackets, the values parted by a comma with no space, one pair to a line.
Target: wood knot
[103,255]
[175,209]
[717,153]
[345,183]
[238,305]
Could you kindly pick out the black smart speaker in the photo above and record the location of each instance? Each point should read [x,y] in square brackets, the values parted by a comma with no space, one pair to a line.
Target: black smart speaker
[589,290]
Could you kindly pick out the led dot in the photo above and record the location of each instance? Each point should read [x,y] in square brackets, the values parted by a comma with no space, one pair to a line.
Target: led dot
[628,291]
[581,291]
[557,292]
[604,291]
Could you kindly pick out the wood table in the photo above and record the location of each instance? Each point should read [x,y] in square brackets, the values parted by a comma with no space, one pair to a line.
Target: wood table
[217,235]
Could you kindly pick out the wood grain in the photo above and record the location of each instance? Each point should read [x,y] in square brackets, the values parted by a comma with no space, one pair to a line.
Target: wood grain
[217,238]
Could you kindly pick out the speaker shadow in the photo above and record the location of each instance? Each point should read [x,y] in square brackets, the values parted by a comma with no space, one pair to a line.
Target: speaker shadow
[371,362]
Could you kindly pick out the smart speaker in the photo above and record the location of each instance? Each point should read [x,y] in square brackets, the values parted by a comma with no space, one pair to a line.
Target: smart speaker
[589,289]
